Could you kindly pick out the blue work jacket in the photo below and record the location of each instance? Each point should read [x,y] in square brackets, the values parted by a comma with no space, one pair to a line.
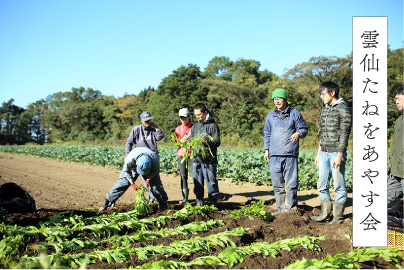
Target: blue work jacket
[279,128]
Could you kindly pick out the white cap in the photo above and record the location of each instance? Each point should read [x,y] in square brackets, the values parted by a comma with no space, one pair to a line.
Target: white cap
[184,112]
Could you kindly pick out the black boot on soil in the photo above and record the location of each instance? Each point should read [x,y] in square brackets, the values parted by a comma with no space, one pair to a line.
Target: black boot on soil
[185,193]
[199,202]
[325,209]
[281,205]
[338,212]
[104,206]
[213,200]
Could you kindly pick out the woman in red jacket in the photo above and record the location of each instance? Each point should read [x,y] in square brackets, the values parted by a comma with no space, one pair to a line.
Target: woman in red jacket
[183,131]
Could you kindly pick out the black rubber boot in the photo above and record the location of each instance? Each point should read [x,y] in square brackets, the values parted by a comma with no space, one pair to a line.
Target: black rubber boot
[337,212]
[396,209]
[104,206]
[213,200]
[281,206]
[185,193]
[199,201]
[325,209]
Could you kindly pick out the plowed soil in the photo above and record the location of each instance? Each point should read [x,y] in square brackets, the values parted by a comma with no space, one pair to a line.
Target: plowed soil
[62,187]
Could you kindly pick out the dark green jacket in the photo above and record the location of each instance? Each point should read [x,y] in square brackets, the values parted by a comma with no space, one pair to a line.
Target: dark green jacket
[335,125]
[396,156]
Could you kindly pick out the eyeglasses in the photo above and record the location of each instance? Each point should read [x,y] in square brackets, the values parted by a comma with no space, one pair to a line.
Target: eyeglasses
[323,94]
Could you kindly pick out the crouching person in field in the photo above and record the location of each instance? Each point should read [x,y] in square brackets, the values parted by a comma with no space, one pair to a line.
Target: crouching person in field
[284,126]
[140,161]
[335,127]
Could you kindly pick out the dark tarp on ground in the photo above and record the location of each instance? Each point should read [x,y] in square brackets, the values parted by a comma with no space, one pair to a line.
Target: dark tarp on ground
[14,199]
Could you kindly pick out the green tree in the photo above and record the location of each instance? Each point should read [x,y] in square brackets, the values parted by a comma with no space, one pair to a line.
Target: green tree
[220,68]
[98,119]
[305,78]
[181,89]
[9,121]
[394,70]
[237,108]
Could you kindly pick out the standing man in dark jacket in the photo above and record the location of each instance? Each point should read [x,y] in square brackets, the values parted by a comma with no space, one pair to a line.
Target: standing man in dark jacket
[395,183]
[145,135]
[335,127]
[205,168]
[284,126]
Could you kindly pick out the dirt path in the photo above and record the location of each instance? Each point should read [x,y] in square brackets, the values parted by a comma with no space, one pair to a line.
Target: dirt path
[63,185]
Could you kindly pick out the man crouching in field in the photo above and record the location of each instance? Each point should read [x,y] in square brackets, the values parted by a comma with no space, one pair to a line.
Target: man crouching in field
[140,161]
[335,127]
[284,126]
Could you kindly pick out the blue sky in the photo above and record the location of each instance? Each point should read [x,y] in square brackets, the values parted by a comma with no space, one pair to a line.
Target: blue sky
[121,47]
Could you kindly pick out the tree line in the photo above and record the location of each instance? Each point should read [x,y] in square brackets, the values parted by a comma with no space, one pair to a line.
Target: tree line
[236,92]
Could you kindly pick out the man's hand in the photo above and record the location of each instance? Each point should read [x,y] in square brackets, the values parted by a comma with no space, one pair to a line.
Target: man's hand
[295,137]
[266,155]
[337,161]
[317,158]
[154,125]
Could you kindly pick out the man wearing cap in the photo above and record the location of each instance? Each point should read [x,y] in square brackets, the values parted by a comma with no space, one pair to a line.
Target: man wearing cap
[183,132]
[284,126]
[145,135]
[140,161]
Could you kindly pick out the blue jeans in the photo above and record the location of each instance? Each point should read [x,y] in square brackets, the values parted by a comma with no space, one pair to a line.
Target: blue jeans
[123,184]
[205,171]
[284,175]
[325,172]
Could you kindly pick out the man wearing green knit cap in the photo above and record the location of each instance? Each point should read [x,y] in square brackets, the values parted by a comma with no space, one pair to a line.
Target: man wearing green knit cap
[284,126]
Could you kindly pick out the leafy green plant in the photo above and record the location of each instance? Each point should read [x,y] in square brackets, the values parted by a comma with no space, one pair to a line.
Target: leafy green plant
[340,261]
[141,203]
[188,210]
[233,255]
[238,165]
[193,146]
[256,208]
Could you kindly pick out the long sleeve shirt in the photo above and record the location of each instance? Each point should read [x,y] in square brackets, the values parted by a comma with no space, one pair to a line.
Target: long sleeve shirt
[143,137]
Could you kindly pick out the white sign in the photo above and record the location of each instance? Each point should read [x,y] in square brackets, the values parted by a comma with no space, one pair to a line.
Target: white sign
[369,41]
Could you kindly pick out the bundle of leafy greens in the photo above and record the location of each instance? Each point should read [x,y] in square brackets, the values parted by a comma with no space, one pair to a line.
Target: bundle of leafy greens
[141,203]
[193,146]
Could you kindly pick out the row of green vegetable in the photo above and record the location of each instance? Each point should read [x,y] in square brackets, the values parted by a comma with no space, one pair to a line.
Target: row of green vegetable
[239,165]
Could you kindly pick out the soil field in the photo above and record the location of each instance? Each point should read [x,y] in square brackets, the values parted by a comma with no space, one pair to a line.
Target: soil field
[61,187]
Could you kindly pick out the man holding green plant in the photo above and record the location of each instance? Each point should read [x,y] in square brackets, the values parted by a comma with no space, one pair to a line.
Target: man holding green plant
[284,126]
[206,134]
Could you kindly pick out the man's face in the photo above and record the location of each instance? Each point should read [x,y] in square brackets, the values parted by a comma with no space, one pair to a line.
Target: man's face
[200,116]
[400,102]
[147,123]
[326,97]
[280,103]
